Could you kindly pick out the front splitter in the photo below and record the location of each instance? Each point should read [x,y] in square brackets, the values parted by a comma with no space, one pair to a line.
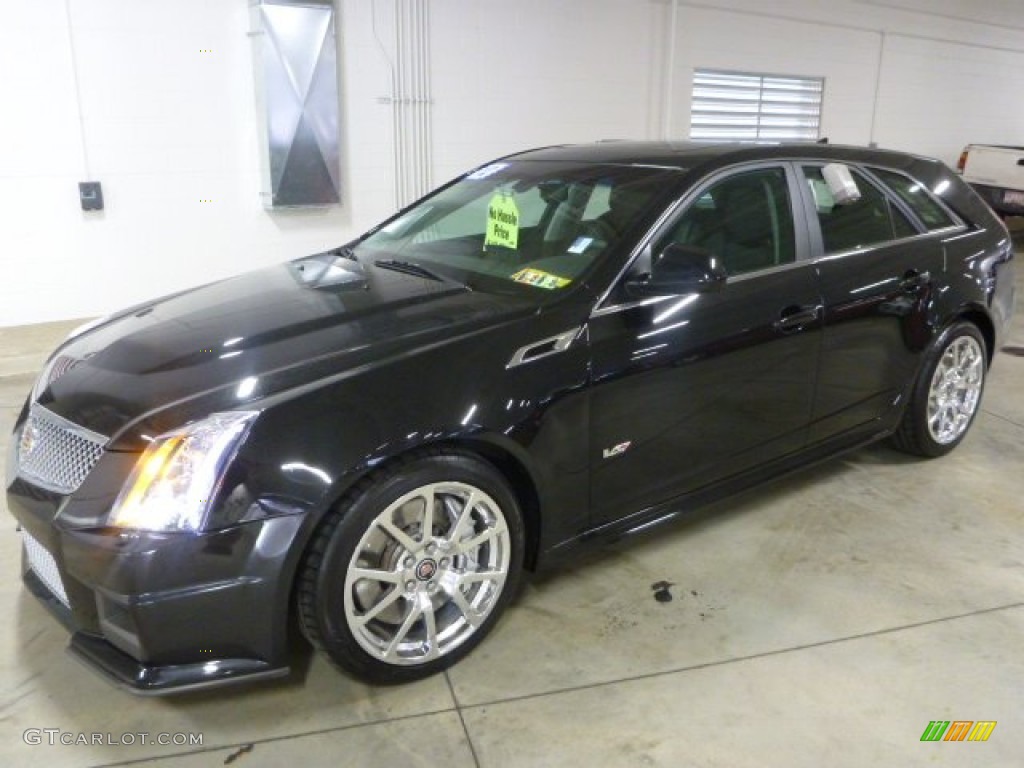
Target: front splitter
[145,680]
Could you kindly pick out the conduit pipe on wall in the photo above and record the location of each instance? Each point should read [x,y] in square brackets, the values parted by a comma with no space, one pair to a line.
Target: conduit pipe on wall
[878,88]
[670,74]
[400,103]
[416,99]
[390,98]
[410,99]
[78,89]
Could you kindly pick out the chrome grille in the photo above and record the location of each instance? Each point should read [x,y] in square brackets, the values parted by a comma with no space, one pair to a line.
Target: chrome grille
[45,567]
[56,454]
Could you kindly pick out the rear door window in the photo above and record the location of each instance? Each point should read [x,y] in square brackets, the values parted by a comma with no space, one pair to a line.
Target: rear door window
[870,220]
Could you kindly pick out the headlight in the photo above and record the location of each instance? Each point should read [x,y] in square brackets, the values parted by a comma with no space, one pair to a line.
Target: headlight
[176,478]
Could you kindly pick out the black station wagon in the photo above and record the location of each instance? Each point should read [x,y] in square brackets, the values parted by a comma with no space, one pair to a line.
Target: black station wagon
[561,346]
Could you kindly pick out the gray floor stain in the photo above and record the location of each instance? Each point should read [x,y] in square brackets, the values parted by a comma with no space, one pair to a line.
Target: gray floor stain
[661,591]
[243,750]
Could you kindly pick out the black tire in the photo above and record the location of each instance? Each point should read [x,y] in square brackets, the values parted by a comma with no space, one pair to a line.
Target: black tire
[330,598]
[914,434]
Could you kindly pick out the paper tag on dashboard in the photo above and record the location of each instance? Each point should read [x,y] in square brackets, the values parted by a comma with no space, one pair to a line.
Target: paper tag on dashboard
[502,221]
[540,279]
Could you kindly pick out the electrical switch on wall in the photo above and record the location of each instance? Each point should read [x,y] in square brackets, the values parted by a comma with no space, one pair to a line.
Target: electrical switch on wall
[91,195]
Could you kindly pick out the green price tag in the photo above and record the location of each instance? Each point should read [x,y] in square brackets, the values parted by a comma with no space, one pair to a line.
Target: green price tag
[823,199]
[502,222]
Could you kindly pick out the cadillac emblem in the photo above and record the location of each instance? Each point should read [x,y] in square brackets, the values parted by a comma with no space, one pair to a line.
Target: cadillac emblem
[30,437]
[426,570]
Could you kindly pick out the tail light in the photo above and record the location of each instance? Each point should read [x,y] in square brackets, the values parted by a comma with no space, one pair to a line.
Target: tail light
[962,162]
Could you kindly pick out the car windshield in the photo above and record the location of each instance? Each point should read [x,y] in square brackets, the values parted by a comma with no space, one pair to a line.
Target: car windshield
[528,225]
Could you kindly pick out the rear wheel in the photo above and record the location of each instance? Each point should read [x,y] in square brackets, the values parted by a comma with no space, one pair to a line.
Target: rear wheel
[409,576]
[947,394]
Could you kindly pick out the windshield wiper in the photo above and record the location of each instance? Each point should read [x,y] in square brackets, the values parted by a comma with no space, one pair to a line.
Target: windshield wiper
[412,268]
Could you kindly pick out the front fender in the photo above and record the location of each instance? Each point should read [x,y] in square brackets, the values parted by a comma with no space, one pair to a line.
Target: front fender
[305,452]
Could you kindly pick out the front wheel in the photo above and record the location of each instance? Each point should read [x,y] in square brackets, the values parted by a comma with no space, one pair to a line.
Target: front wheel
[946,395]
[409,576]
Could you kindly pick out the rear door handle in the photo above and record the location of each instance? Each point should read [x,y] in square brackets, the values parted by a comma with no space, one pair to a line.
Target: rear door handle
[915,281]
[795,317]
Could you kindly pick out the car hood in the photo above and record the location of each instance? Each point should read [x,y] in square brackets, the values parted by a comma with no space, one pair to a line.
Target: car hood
[243,339]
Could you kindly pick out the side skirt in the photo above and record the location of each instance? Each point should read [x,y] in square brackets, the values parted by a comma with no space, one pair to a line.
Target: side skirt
[694,500]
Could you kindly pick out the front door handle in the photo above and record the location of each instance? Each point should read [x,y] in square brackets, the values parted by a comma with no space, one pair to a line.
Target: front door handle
[914,281]
[795,317]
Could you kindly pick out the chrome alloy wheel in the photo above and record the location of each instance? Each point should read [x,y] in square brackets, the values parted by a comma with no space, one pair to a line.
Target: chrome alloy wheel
[427,573]
[955,389]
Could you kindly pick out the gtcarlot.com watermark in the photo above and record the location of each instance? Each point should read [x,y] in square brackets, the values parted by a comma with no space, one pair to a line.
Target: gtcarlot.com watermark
[54,736]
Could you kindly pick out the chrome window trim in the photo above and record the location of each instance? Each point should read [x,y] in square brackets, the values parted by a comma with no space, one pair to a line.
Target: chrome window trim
[611,308]
[873,247]
[657,167]
[744,276]
[954,235]
[955,229]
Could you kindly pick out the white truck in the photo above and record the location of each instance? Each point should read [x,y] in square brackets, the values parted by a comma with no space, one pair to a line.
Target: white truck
[997,174]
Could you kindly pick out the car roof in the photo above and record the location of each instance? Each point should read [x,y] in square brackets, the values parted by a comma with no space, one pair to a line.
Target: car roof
[691,155]
[697,160]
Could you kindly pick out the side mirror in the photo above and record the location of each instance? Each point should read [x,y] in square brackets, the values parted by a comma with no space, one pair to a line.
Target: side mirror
[680,269]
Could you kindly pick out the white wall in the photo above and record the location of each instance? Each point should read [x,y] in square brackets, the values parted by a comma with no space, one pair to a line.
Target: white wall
[165,126]
[512,75]
[925,76]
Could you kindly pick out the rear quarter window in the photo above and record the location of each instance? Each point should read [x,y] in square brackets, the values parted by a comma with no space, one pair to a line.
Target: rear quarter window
[915,195]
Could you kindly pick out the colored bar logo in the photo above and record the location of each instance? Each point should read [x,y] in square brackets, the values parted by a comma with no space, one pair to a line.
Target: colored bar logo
[958,730]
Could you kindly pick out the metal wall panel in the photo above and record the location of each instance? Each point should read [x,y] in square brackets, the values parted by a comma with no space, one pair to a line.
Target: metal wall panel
[297,95]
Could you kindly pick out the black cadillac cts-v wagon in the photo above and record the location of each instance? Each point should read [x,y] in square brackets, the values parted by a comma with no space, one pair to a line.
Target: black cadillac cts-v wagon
[564,345]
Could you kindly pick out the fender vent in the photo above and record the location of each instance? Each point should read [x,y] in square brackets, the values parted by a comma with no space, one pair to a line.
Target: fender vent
[543,348]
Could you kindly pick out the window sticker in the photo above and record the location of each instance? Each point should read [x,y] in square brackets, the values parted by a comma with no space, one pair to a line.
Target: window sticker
[580,244]
[502,221]
[487,170]
[540,279]
[823,199]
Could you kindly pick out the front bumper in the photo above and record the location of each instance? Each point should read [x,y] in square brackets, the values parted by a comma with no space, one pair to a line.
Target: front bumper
[146,679]
[155,612]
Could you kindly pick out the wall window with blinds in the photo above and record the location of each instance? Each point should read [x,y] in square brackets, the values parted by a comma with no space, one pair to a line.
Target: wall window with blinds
[743,106]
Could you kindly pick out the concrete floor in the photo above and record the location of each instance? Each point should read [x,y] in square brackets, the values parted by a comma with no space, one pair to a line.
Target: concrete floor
[821,621]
